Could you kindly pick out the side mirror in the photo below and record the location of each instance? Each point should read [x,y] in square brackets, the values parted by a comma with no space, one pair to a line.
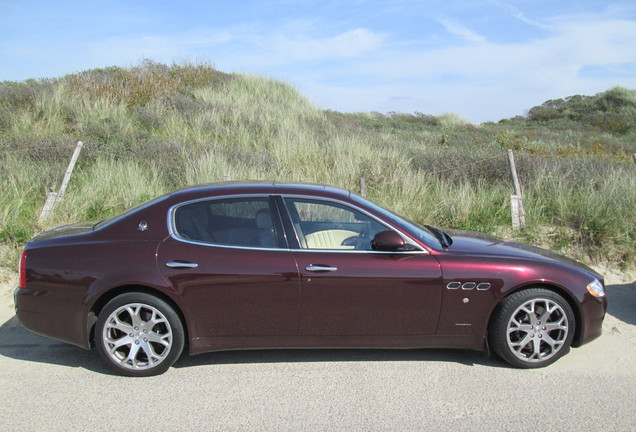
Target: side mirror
[390,241]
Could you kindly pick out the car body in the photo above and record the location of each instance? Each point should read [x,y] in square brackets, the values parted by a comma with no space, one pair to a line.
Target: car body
[265,265]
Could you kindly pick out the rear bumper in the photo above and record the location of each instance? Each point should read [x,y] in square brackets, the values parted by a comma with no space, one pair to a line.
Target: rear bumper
[38,314]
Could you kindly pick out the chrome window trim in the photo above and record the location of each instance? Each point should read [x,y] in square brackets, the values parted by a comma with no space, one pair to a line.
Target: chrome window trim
[173,233]
[414,252]
[219,245]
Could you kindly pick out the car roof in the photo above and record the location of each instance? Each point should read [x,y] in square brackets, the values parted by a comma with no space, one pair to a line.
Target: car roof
[224,189]
[258,187]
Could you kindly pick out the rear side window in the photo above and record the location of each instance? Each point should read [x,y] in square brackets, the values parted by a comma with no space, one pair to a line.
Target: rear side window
[234,222]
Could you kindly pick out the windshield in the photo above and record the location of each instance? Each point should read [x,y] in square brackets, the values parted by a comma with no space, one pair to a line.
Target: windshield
[418,230]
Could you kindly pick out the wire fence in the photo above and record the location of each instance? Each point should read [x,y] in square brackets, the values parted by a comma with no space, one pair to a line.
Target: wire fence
[53,197]
[463,166]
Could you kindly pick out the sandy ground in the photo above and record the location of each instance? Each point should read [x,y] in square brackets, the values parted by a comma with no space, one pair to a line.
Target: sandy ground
[48,385]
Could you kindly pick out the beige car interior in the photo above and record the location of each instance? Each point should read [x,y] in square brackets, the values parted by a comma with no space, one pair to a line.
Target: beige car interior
[329,239]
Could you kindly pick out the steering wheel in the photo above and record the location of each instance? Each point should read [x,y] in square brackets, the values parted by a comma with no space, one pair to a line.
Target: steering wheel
[361,241]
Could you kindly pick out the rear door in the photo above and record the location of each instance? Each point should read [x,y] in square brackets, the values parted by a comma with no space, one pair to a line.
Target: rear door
[229,261]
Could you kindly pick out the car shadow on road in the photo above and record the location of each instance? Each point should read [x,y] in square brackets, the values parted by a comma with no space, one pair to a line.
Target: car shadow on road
[621,302]
[18,343]
[464,357]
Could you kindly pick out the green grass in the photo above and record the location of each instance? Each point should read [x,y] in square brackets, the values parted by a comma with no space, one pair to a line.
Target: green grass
[153,128]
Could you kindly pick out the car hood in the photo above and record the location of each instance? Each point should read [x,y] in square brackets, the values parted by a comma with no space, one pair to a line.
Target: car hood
[66,230]
[475,243]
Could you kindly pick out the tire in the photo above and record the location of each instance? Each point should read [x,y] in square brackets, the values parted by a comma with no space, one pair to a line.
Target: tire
[139,335]
[532,328]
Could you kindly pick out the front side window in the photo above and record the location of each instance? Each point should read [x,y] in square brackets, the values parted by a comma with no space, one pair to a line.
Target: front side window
[326,225]
[233,221]
[420,231]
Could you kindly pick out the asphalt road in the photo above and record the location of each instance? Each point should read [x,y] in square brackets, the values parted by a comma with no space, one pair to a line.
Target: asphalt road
[50,386]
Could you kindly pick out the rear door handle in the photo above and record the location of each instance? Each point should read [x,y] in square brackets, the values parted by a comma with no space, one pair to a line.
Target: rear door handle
[320,268]
[176,264]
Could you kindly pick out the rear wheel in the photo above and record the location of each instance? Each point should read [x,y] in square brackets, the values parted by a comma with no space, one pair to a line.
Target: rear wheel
[533,328]
[138,334]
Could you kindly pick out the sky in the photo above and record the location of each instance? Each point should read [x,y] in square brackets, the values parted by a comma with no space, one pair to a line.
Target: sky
[483,60]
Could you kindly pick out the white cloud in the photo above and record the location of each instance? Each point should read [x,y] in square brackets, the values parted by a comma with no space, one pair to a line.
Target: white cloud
[478,79]
[573,46]
[520,15]
[488,81]
[118,50]
[458,29]
[242,48]
[352,43]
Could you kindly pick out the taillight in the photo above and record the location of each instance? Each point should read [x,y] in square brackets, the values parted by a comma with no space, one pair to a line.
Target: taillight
[23,269]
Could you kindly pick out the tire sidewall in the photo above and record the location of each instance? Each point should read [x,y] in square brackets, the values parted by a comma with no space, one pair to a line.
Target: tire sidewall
[143,298]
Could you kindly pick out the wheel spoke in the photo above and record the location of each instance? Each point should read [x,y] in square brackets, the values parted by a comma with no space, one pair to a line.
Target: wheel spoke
[117,324]
[536,349]
[555,326]
[115,344]
[157,318]
[529,312]
[517,324]
[518,346]
[131,359]
[548,340]
[548,311]
[151,355]
[160,339]
[134,310]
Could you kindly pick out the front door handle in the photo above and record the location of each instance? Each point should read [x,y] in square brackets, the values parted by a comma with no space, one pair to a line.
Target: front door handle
[176,264]
[320,268]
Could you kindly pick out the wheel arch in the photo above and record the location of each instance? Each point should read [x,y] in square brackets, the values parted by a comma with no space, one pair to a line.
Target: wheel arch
[107,296]
[557,289]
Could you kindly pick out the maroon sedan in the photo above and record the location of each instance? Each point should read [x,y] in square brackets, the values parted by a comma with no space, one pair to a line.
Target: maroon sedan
[262,265]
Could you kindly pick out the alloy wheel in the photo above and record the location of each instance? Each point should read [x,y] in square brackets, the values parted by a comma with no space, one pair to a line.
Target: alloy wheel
[537,330]
[137,336]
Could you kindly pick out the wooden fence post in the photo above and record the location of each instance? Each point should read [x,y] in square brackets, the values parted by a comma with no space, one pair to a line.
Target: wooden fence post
[363,187]
[69,170]
[54,197]
[48,205]
[516,200]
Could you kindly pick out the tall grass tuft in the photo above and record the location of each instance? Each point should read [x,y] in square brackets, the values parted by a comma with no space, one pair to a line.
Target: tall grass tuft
[109,187]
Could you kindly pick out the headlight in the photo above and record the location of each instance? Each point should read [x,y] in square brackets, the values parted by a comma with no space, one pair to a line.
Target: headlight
[596,288]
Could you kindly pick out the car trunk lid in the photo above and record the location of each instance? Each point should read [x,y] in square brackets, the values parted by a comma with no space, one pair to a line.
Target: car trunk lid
[66,230]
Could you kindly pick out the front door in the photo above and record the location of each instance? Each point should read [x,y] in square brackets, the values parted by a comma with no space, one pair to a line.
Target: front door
[349,289]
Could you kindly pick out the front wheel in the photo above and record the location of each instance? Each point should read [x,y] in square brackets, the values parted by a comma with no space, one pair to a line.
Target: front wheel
[533,328]
[138,334]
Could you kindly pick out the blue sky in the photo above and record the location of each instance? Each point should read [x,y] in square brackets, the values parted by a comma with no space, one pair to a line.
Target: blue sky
[483,59]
